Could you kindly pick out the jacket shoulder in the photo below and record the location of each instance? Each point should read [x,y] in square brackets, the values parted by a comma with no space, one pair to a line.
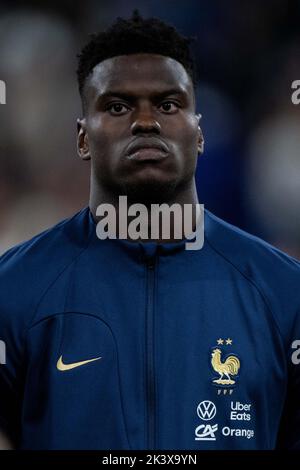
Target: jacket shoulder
[27,269]
[275,274]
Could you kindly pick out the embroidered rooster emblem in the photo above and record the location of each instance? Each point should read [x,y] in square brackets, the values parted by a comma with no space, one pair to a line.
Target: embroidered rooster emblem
[229,367]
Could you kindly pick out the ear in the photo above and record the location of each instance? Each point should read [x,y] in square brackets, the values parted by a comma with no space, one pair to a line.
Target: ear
[200,136]
[82,140]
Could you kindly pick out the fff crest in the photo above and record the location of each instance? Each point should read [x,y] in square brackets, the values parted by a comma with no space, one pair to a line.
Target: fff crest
[226,365]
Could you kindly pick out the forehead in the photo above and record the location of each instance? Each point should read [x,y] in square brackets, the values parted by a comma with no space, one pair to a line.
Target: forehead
[140,73]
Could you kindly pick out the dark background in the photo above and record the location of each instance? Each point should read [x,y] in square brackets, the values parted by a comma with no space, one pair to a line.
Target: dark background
[248,55]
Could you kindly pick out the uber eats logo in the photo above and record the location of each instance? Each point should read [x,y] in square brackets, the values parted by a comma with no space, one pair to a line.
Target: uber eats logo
[2,352]
[2,92]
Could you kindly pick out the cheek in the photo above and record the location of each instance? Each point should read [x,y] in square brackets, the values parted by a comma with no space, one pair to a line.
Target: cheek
[100,139]
[191,129]
[106,133]
[186,136]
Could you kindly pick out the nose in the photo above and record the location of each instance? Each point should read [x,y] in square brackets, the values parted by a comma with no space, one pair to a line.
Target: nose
[144,122]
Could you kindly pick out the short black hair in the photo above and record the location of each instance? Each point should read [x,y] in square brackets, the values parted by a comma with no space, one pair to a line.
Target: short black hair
[132,36]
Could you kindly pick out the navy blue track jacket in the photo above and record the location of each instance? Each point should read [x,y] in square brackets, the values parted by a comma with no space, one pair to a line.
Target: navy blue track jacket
[113,344]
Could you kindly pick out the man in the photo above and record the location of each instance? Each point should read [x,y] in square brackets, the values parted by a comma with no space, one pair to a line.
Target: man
[142,344]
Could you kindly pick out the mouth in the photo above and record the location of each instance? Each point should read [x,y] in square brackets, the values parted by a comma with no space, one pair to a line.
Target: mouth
[147,150]
[147,154]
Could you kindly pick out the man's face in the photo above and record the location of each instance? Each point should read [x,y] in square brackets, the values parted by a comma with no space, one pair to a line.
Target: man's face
[140,129]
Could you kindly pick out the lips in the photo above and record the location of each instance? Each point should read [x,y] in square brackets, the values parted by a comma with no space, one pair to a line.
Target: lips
[150,149]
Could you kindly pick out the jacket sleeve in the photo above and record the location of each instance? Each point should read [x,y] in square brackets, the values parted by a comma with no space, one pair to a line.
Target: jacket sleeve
[10,385]
[9,403]
[12,308]
[289,432]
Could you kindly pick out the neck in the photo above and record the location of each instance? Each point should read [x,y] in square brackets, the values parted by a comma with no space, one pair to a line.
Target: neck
[166,220]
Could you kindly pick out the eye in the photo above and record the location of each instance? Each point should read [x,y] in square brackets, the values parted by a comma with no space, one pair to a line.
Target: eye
[117,109]
[169,107]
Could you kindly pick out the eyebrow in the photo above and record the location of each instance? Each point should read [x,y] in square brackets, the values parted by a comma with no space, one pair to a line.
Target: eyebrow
[132,96]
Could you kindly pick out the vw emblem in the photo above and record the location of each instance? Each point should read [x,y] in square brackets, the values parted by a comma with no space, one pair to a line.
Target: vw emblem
[206,410]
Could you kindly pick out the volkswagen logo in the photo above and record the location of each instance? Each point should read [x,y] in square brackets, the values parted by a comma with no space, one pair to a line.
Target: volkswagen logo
[206,410]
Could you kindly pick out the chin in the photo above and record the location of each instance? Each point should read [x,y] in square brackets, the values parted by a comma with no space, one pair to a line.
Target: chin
[152,191]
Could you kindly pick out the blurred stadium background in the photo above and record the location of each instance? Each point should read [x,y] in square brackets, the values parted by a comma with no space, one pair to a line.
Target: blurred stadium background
[248,55]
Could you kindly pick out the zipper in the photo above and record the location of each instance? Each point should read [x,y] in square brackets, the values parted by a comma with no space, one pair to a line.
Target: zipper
[150,372]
